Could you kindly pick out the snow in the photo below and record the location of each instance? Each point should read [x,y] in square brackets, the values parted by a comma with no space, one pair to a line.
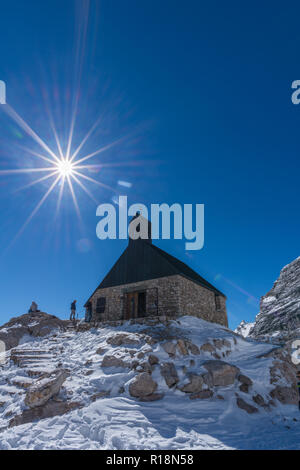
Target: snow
[121,422]
[244,328]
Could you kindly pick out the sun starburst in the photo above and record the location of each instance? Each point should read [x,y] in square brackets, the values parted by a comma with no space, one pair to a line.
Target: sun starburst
[65,169]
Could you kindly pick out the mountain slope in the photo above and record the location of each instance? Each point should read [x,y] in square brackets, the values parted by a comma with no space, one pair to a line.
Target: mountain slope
[179,385]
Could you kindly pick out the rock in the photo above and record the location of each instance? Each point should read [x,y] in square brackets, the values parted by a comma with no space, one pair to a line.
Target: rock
[45,388]
[207,347]
[88,363]
[216,356]
[244,388]
[218,343]
[279,309]
[135,364]
[169,373]
[201,395]
[170,348]
[246,406]
[145,367]
[227,343]
[22,382]
[258,399]
[195,384]
[103,394]
[30,324]
[193,348]
[50,409]
[153,359]
[244,379]
[192,363]
[140,355]
[142,385]
[123,338]
[286,395]
[283,369]
[182,347]
[152,397]
[113,361]
[100,351]
[222,373]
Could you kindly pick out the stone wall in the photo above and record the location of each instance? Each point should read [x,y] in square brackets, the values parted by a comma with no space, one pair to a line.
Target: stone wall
[200,302]
[171,296]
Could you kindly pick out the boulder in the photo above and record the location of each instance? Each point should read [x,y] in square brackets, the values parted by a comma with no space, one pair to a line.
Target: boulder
[170,348]
[246,406]
[244,379]
[207,347]
[113,361]
[218,343]
[193,348]
[169,373]
[45,388]
[123,338]
[196,383]
[222,373]
[244,388]
[259,400]
[144,367]
[152,397]
[182,348]
[153,359]
[201,395]
[286,395]
[142,385]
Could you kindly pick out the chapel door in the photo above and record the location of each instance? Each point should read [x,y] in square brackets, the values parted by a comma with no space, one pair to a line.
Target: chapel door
[132,305]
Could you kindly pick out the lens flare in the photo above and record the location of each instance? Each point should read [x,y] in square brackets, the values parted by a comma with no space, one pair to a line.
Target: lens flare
[65,167]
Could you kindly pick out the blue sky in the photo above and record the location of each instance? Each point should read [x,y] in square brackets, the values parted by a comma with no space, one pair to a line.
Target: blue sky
[196,98]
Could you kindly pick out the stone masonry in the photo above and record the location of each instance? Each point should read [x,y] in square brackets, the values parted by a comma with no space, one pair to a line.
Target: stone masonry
[170,296]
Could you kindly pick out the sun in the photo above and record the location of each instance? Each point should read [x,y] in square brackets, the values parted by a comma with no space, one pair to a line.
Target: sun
[65,168]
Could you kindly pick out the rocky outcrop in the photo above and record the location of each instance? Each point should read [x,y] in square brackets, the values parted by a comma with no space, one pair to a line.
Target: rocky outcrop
[279,316]
[37,324]
[45,388]
[244,328]
[142,386]
[50,409]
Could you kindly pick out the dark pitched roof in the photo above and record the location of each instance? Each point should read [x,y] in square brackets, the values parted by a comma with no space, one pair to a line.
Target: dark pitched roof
[142,261]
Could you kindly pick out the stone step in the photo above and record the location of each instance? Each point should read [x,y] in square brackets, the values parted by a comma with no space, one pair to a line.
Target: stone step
[22,382]
[31,352]
[8,390]
[38,372]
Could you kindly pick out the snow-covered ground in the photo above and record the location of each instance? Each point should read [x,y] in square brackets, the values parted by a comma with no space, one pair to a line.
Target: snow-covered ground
[119,421]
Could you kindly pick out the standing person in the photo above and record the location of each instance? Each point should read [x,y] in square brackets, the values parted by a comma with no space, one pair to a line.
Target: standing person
[33,307]
[88,313]
[73,311]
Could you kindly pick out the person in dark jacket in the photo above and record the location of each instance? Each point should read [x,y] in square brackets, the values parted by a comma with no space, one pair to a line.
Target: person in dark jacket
[73,310]
[88,312]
